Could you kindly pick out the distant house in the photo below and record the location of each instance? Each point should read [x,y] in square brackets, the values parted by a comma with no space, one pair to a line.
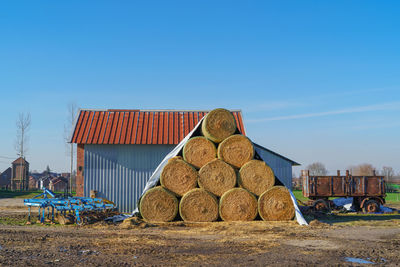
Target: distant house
[394,180]
[297,183]
[118,150]
[44,181]
[65,175]
[33,183]
[5,179]
[20,174]
[58,184]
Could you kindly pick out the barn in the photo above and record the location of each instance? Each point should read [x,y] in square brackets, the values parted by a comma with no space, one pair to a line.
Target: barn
[118,150]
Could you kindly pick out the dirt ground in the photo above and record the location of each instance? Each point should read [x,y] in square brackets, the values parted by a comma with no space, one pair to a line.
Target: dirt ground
[375,239]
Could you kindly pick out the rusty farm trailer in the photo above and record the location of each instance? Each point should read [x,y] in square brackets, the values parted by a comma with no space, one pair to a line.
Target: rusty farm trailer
[368,192]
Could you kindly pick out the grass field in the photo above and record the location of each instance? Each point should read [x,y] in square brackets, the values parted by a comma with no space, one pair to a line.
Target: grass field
[19,194]
[390,197]
[299,195]
[23,194]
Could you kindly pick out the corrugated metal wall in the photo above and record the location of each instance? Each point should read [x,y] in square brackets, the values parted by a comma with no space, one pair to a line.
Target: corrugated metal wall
[281,167]
[120,172]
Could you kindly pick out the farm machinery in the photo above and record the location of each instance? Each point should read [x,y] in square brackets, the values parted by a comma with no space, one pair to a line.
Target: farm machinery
[368,192]
[69,209]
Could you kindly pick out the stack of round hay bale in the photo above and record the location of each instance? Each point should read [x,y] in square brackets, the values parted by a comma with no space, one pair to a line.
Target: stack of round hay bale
[215,177]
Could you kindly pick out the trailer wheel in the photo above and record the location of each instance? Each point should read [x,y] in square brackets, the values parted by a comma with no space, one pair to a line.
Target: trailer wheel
[371,206]
[321,205]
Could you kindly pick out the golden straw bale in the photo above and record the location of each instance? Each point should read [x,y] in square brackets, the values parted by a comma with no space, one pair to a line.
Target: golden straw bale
[198,205]
[236,150]
[158,205]
[275,204]
[179,177]
[218,125]
[198,151]
[217,177]
[175,158]
[256,176]
[238,204]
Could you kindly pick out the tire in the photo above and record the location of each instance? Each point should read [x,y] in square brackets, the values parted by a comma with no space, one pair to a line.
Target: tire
[371,206]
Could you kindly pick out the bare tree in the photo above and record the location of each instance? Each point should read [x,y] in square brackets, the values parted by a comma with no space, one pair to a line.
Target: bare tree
[47,170]
[23,124]
[317,168]
[388,172]
[72,111]
[363,169]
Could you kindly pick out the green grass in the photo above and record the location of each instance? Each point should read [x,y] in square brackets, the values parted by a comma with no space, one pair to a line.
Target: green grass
[19,194]
[12,221]
[22,221]
[23,194]
[357,219]
[390,197]
[299,195]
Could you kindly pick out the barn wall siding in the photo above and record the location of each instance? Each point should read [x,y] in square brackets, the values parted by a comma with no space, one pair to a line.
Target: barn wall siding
[281,167]
[120,172]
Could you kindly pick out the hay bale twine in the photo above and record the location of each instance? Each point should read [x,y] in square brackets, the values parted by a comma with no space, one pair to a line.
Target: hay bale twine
[198,205]
[238,204]
[217,177]
[275,204]
[179,177]
[218,125]
[256,176]
[198,151]
[236,150]
[158,205]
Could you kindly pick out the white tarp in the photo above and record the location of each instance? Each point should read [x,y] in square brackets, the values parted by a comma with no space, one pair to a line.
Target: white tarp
[155,177]
[347,203]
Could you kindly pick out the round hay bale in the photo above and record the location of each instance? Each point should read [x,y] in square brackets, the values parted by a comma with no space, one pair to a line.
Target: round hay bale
[217,177]
[256,176]
[198,151]
[238,204]
[275,204]
[236,150]
[158,205]
[198,205]
[179,177]
[175,158]
[218,125]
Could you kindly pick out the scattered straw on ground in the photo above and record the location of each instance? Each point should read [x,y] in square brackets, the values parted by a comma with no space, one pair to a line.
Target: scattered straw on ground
[158,205]
[217,177]
[256,176]
[198,151]
[179,177]
[218,125]
[236,150]
[238,204]
[276,204]
[198,205]
[135,222]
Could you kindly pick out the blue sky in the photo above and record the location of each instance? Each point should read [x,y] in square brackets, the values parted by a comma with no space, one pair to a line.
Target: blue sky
[316,80]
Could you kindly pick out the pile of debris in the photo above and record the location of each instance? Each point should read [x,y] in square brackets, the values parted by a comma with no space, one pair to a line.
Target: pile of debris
[217,175]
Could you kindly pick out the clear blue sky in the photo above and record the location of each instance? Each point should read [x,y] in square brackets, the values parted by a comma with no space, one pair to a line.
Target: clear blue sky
[316,80]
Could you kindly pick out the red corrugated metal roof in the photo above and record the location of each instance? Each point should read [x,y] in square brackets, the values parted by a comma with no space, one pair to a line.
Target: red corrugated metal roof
[116,126]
